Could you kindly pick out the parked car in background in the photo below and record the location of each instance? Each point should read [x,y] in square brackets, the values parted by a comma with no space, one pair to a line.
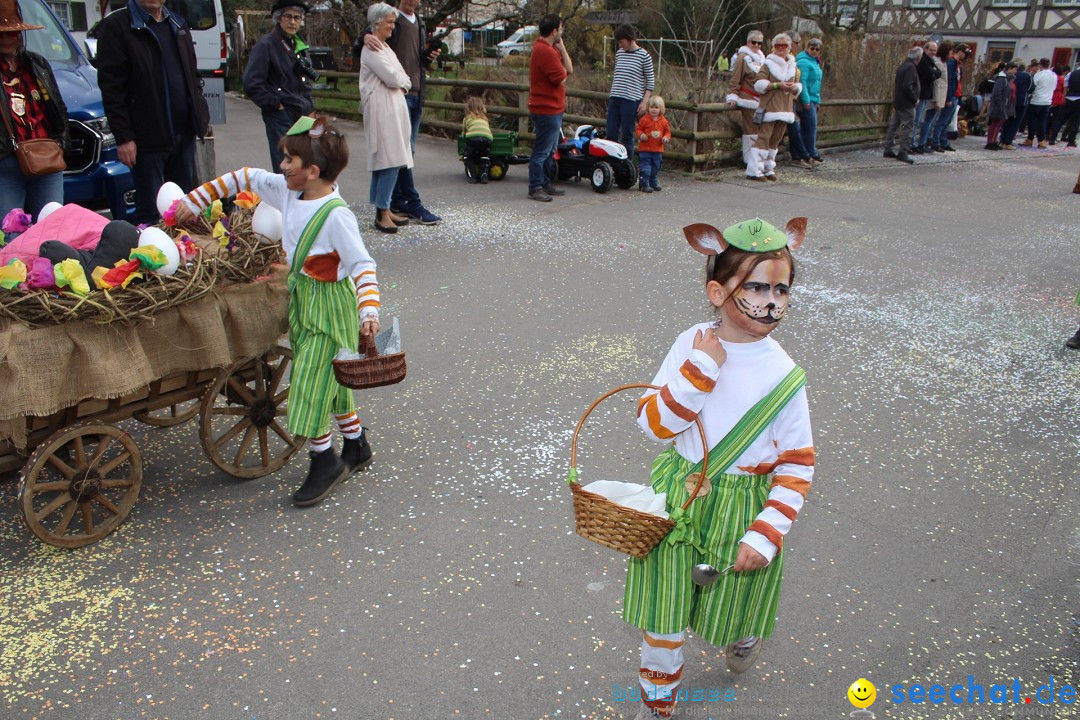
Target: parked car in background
[520,42]
[94,177]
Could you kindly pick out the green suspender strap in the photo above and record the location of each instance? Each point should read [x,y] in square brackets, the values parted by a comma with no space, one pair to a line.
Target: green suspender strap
[311,231]
[737,441]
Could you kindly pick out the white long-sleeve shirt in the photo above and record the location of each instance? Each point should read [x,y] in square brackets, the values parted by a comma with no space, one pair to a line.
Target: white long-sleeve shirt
[692,386]
[338,252]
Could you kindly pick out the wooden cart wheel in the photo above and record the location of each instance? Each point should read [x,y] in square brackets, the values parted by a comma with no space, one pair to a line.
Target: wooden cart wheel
[80,484]
[242,426]
[169,416]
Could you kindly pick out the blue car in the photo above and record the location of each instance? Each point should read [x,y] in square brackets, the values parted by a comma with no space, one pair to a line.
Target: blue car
[94,177]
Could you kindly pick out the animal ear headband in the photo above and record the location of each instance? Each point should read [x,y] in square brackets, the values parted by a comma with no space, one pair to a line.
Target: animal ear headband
[750,235]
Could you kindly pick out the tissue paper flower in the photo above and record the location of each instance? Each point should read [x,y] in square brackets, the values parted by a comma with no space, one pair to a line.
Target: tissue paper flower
[69,273]
[41,276]
[169,216]
[150,256]
[214,212]
[16,221]
[221,232]
[3,240]
[188,248]
[117,276]
[12,274]
[247,199]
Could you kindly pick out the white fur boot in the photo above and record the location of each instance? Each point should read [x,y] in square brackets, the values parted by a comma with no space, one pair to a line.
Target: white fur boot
[748,148]
[769,162]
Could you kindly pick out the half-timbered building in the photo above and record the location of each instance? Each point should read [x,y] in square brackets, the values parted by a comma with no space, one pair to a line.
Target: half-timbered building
[996,29]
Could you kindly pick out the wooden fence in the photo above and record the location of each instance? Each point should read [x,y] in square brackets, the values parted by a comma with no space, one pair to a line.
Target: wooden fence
[707,134]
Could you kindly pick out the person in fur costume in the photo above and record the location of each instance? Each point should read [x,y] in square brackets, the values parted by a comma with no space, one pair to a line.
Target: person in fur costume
[741,93]
[778,84]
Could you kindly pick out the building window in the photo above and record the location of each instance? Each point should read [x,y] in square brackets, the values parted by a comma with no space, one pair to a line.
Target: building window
[62,11]
[1065,3]
[1000,52]
[925,4]
[78,17]
[1010,3]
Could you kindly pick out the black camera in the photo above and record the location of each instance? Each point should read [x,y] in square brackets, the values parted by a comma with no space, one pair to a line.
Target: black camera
[305,69]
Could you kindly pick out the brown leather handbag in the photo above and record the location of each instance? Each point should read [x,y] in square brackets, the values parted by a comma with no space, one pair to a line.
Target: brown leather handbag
[39,156]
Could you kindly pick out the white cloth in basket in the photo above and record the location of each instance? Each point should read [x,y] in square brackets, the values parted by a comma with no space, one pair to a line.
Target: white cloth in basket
[631,495]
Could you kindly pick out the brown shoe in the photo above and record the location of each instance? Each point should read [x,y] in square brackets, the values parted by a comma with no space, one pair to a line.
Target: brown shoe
[399,220]
[1026,143]
[772,178]
[383,223]
[739,660]
[1042,145]
[553,191]
[756,178]
[539,196]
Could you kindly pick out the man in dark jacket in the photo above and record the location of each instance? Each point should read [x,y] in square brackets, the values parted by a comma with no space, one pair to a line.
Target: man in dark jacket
[905,97]
[279,74]
[928,73]
[152,97]
[409,43]
[1022,82]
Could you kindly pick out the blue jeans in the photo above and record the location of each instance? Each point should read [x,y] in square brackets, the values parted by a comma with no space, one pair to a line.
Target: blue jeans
[548,128]
[927,126]
[920,112]
[808,128]
[621,121]
[405,196]
[1037,120]
[29,192]
[1012,125]
[795,143]
[649,164]
[277,123]
[382,186]
[939,135]
[153,168]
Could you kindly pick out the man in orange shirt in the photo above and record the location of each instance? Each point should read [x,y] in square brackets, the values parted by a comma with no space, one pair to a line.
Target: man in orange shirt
[548,69]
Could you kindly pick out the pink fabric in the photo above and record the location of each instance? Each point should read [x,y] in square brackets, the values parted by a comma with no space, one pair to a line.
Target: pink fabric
[72,225]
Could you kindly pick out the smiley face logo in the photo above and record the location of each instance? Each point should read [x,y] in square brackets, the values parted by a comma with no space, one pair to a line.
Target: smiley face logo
[862,693]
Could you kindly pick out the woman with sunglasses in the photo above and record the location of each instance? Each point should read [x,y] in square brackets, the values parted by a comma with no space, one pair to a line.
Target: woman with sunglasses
[778,84]
[741,93]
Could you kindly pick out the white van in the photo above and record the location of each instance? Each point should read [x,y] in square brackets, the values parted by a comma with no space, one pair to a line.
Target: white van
[208,33]
[520,42]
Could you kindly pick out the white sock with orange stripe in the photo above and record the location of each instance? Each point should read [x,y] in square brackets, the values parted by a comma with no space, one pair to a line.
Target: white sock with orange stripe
[321,443]
[661,670]
[349,424]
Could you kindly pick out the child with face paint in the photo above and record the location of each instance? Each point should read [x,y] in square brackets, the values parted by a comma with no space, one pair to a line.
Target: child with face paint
[751,400]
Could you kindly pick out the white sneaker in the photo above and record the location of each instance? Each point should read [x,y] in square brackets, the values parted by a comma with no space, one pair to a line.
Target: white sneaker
[739,659]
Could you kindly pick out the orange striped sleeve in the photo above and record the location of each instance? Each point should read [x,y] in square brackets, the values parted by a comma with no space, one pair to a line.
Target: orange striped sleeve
[652,414]
[697,378]
[768,531]
[783,508]
[791,483]
[660,678]
[677,408]
[802,456]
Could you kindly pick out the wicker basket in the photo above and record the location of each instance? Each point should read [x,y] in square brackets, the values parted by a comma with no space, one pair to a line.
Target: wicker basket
[372,371]
[615,526]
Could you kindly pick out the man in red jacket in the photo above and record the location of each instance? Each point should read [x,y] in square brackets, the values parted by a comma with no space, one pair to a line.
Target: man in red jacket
[548,69]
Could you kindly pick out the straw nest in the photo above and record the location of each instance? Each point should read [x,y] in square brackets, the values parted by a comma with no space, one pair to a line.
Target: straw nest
[244,260]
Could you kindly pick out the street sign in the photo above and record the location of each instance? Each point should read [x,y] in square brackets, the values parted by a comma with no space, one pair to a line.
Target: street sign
[612,17]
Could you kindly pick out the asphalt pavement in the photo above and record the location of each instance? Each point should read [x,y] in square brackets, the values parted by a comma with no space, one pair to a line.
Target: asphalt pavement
[939,545]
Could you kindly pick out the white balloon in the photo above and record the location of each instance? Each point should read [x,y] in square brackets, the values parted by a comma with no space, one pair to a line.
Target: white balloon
[162,241]
[48,210]
[266,223]
[169,193]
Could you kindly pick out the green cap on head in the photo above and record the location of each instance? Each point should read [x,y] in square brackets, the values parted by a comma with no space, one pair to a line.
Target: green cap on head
[302,125]
[754,235]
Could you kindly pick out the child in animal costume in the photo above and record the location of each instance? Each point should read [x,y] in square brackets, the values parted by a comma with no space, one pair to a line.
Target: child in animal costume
[741,92]
[333,290]
[778,84]
[750,398]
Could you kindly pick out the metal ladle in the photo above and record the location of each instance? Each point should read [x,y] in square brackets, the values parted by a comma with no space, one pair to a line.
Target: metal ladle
[705,574]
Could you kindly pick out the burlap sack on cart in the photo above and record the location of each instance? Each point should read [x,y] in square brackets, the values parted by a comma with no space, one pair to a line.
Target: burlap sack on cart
[43,370]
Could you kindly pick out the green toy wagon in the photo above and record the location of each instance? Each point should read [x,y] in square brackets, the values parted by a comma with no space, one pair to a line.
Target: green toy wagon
[495,163]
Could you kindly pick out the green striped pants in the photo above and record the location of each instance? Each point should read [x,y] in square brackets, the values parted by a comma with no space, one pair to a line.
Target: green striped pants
[661,597]
[322,319]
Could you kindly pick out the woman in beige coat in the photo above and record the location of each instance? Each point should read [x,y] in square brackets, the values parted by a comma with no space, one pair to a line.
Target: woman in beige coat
[383,84]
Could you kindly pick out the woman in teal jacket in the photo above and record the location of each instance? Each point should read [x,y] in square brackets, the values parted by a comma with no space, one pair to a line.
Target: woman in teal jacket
[809,63]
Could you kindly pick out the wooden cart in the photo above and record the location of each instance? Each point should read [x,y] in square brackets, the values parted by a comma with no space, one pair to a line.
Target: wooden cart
[81,474]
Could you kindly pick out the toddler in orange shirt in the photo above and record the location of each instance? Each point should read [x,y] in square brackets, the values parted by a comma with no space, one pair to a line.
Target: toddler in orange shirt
[653,133]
